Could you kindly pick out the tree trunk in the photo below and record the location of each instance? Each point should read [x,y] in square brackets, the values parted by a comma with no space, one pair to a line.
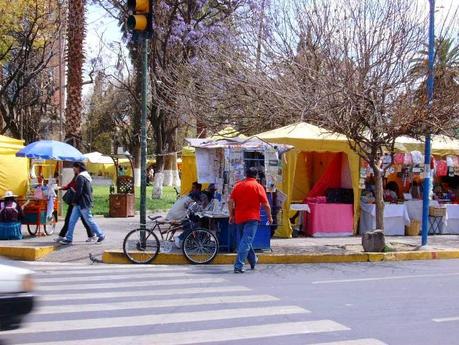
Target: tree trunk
[75,59]
[379,198]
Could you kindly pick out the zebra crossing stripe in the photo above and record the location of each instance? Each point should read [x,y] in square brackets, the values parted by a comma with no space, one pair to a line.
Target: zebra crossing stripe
[51,273]
[147,293]
[355,342]
[151,275]
[214,335]
[162,319]
[162,303]
[88,287]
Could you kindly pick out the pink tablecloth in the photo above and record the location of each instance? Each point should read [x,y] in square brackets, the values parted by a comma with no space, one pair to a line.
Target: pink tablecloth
[330,220]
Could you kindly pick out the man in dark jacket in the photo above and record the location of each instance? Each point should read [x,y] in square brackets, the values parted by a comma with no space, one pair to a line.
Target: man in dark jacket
[82,202]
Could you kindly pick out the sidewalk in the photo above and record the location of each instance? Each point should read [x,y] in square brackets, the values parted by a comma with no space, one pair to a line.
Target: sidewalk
[294,250]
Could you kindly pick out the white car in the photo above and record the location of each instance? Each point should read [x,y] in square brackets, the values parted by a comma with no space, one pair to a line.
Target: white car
[16,298]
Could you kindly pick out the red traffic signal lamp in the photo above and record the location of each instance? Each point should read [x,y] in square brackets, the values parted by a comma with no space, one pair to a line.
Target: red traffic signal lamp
[140,15]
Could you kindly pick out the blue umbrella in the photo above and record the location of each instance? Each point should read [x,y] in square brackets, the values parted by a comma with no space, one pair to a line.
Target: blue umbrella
[51,149]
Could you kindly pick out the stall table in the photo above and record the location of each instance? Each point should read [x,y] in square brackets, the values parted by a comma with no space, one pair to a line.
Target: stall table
[395,219]
[436,226]
[329,220]
[452,219]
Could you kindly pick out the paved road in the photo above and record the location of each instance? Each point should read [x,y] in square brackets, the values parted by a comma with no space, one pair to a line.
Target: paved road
[347,304]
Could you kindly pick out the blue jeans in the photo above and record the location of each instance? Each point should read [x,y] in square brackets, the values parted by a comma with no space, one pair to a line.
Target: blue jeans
[86,214]
[245,249]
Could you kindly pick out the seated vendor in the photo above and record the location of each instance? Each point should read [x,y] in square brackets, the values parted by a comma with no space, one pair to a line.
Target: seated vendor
[10,217]
[391,193]
[179,211]
[416,190]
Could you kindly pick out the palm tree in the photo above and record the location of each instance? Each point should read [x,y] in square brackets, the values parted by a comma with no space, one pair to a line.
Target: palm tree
[75,59]
[446,66]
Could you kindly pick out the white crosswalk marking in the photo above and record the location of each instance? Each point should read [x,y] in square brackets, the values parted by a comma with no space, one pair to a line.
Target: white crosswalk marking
[150,275]
[166,305]
[170,318]
[355,342]
[89,287]
[148,293]
[162,303]
[221,334]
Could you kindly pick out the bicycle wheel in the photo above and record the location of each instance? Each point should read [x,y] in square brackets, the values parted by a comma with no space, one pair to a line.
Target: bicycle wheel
[200,246]
[138,250]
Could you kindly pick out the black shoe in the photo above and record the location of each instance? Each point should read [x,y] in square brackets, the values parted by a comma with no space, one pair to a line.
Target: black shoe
[65,242]
[239,270]
[100,239]
[252,264]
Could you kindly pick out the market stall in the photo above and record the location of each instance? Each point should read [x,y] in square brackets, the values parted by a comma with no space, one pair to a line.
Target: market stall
[322,171]
[223,163]
[189,170]
[403,188]
[40,203]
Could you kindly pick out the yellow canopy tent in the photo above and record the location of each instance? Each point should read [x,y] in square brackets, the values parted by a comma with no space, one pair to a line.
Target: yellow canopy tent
[311,143]
[189,170]
[14,171]
[441,145]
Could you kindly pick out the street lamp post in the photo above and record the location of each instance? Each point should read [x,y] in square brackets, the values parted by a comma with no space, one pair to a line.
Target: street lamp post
[427,149]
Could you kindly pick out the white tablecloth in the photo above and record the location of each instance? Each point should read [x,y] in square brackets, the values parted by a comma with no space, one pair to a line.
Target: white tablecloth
[452,219]
[415,208]
[395,218]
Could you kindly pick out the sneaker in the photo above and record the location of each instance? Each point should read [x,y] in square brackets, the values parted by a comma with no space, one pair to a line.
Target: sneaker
[252,264]
[65,242]
[100,239]
[59,238]
[92,239]
[239,270]
[178,242]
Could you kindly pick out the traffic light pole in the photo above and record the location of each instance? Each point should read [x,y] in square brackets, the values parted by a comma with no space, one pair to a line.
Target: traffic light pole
[143,136]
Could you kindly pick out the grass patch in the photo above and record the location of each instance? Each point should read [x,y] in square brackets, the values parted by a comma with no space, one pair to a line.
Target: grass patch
[101,195]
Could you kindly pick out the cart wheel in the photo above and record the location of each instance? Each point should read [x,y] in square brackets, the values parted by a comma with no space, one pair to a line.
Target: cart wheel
[49,230]
[34,229]
[200,246]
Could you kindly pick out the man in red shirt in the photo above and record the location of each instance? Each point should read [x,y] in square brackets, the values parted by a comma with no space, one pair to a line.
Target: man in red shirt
[244,210]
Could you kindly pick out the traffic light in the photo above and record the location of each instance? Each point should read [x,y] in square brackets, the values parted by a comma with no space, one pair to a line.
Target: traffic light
[140,15]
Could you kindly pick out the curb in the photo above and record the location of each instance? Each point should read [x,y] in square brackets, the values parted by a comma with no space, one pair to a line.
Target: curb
[26,253]
[118,257]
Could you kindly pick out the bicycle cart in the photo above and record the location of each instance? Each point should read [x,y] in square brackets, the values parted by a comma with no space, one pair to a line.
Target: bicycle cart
[141,246]
[35,217]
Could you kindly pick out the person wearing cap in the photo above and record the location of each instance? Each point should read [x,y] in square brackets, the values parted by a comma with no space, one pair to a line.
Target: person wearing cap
[10,217]
[244,210]
[82,204]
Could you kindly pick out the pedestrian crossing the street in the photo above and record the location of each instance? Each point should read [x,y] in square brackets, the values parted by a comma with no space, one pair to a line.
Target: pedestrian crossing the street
[164,305]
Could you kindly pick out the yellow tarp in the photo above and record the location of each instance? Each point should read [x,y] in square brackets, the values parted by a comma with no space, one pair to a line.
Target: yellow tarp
[305,137]
[14,171]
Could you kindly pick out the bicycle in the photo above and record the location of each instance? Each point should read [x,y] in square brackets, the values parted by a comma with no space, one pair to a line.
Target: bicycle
[141,246]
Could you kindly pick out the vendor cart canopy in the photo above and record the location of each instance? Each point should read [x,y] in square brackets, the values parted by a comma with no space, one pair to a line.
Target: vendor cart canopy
[252,143]
[51,149]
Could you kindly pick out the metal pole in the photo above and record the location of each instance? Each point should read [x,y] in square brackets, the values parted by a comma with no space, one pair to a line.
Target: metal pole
[427,149]
[143,136]
[61,93]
